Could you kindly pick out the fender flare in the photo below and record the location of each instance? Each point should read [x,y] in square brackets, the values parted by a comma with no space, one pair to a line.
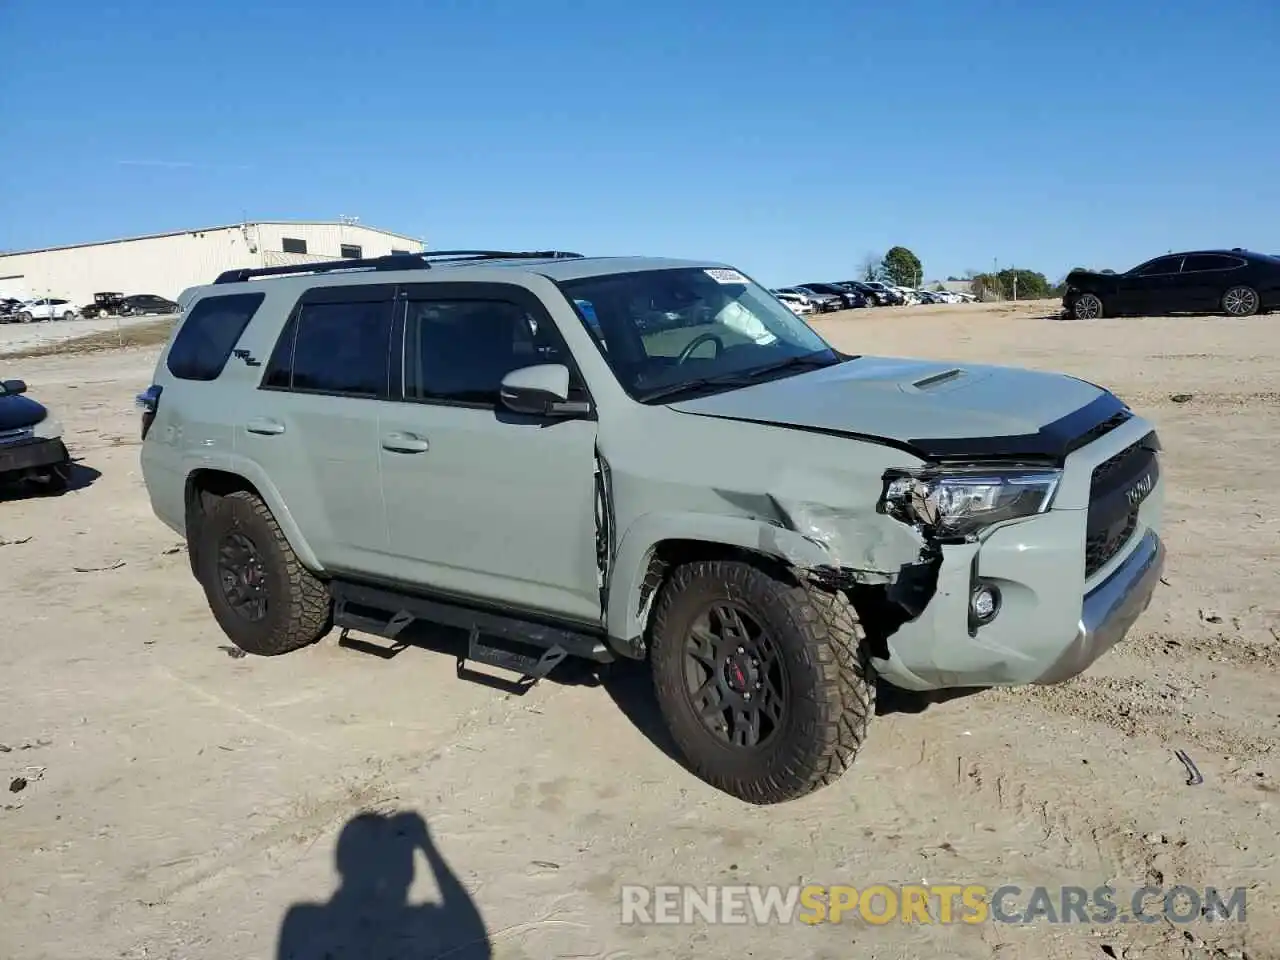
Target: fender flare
[626,619]
[253,474]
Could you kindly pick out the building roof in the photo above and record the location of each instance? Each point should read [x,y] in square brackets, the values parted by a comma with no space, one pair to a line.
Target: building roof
[221,226]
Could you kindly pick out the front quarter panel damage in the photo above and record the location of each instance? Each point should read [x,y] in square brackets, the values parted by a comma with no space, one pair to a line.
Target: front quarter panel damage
[810,501]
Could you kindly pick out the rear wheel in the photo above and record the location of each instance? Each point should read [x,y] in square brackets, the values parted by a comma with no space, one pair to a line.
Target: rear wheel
[1240,301]
[763,682]
[266,602]
[1087,307]
[69,315]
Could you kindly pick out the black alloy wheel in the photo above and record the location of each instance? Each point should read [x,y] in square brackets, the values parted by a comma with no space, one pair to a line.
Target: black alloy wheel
[735,676]
[242,577]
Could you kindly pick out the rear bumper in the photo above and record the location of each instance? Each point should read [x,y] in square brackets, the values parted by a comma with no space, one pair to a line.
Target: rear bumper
[33,455]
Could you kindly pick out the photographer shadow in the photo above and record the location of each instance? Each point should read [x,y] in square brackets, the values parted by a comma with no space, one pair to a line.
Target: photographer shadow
[370,917]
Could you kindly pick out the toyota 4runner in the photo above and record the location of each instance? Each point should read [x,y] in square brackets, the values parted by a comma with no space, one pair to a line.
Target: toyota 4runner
[652,459]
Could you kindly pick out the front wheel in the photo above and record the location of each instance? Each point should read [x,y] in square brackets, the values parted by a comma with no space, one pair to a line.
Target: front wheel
[68,315]
[763,682]
[1087,307]
[25,317]
[266,602]
[1240,302]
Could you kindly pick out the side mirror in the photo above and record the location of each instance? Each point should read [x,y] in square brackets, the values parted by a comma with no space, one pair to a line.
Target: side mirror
[540,391]
[14,386]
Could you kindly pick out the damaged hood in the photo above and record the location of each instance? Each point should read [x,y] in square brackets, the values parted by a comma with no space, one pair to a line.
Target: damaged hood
[17,411]
[937,410]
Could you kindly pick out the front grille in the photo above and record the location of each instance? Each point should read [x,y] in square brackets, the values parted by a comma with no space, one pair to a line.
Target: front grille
[1115,498]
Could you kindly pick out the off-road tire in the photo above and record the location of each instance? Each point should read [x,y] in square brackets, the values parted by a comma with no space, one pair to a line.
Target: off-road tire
[1092,308]
[1240,301]
[831,688]
[299,608]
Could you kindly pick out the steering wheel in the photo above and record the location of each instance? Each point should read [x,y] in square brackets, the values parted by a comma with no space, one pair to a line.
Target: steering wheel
[696,342]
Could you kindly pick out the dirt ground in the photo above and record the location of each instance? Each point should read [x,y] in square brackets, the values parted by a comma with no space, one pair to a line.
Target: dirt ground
[179,801]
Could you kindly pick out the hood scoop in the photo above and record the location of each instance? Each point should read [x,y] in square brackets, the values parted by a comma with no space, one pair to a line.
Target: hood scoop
[942,381]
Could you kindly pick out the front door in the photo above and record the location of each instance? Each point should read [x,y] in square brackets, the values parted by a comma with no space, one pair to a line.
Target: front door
[483,503]
[1152,288]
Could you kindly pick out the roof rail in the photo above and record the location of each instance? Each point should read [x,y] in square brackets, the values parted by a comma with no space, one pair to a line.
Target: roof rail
[395,261]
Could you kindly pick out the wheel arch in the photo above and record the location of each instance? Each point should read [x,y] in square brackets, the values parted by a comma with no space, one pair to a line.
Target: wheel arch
[205,485]
[656,543]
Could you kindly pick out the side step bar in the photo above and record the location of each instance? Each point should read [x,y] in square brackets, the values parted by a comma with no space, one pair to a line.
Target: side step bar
[524,647]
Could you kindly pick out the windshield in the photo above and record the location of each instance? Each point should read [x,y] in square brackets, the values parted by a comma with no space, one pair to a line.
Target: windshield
[662,331]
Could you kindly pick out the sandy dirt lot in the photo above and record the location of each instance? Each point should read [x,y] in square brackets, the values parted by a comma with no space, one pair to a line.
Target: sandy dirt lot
[15,337]
[180,802]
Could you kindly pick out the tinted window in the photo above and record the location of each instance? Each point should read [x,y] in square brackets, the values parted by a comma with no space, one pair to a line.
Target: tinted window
[1163,265]
[293,245]
[1210,261]
[334,348]
[458,351]
[202,346]
[349,251]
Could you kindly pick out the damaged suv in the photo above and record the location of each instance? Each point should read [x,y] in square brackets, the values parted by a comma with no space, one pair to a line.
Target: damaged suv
[503,442]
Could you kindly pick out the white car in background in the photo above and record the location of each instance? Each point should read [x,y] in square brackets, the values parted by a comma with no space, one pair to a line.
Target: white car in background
[795,302]
[46,308]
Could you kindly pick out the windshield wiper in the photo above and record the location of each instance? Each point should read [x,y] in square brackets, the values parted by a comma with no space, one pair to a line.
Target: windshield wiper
[741,378]
[816,359]
[684,386]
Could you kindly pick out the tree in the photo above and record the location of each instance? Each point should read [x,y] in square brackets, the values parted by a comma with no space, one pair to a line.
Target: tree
[1026,284]
[871,266]
[902,267]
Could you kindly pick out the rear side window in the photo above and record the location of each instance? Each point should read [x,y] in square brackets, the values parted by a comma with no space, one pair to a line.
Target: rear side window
[1210,261]
[203,345]
[335,348]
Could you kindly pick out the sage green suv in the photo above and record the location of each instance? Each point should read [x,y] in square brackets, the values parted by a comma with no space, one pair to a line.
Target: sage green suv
[647,459]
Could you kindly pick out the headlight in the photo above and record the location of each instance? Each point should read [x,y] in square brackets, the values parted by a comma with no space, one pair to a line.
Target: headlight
[960,502]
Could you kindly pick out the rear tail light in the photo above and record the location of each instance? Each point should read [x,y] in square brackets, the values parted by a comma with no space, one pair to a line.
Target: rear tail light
[148,402]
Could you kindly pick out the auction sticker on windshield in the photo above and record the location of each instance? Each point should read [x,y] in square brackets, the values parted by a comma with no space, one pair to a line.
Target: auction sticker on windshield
[726,276]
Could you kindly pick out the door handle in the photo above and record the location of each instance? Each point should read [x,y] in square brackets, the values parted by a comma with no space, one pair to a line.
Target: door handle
[265,426]
[404,443]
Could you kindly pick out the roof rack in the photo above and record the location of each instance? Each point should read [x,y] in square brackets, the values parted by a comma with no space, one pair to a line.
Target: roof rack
[395,261]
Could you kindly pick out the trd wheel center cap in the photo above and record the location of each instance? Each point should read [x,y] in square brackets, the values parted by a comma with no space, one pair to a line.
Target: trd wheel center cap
[739,674]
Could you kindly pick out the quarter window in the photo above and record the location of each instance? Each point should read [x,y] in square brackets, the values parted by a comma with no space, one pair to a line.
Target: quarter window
[458,351]
[203,345]
[335,348]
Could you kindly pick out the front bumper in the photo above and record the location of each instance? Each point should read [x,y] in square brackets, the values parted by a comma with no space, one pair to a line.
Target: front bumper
[32,455]
[1055,618]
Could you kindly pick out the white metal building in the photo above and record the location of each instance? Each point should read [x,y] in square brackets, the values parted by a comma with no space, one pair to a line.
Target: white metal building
[168,263]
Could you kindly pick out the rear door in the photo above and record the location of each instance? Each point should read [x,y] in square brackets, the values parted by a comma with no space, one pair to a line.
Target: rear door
[483,503]
[1206,277]
[313,425]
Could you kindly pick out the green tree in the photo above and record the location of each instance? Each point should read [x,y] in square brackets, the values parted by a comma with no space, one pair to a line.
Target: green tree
[1008,283]
[902,267]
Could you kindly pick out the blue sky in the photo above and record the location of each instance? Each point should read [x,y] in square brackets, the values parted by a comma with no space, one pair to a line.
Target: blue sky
[791,139]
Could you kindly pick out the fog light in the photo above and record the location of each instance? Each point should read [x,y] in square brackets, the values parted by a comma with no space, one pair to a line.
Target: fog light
[984,603]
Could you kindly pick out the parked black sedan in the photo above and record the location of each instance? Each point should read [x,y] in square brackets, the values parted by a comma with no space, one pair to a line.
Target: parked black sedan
[848,297]
[1236,282]
[142,303]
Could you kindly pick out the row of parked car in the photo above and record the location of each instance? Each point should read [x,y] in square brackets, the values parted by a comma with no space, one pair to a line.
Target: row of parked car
[104,305]
[853,294]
